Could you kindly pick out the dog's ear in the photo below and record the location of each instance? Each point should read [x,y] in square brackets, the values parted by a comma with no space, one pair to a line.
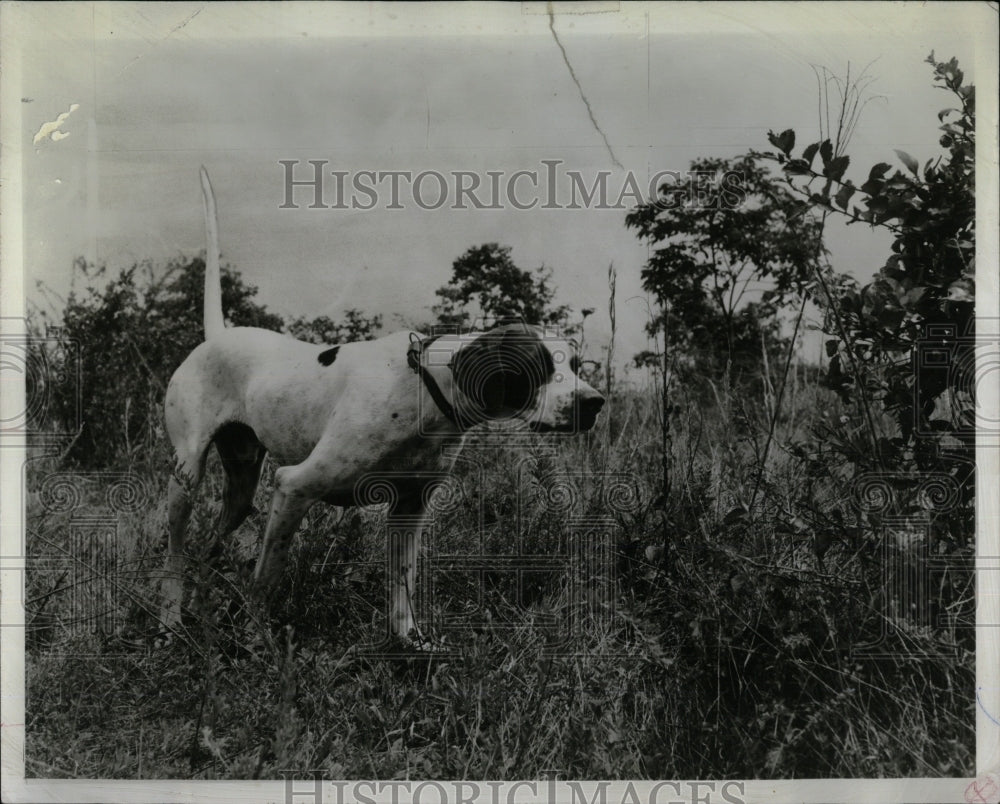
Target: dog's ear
[502,370]
[478,372]
[526,365]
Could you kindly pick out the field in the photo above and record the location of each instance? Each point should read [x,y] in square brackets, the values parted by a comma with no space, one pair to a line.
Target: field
[743,620]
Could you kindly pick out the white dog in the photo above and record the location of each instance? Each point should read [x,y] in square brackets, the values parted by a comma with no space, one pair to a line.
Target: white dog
[331,416]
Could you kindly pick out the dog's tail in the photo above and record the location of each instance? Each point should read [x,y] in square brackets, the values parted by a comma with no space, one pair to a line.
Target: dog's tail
[214,322]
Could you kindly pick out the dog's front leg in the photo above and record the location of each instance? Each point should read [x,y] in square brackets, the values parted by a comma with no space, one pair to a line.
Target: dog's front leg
[406,523]
[288,505]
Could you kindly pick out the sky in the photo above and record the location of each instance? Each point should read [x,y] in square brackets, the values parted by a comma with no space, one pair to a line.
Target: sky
[157,90]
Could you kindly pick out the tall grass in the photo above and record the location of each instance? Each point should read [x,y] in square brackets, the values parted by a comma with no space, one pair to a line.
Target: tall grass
[730,647]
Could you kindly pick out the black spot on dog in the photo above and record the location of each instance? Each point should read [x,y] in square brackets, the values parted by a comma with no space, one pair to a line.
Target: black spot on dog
[395,415]
[327,357]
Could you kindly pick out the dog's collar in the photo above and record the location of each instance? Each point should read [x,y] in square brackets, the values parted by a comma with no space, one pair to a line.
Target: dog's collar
[414,359]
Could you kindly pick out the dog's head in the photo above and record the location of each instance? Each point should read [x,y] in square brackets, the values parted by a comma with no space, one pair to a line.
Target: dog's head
[519,372]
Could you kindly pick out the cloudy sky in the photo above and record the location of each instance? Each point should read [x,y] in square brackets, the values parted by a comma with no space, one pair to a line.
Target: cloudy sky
[161,89]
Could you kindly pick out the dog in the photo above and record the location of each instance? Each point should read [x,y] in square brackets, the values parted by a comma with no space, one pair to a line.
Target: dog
[330,416]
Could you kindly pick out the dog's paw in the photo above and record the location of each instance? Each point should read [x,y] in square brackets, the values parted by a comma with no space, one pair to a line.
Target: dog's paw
[423,644]
[169,622]
[161,640]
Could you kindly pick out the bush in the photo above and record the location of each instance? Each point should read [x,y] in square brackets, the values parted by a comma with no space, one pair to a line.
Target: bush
[356,326]
[133,331]
[903,346]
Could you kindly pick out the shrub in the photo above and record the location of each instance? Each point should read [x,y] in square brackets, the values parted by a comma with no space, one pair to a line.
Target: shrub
[134,330]
[904,344]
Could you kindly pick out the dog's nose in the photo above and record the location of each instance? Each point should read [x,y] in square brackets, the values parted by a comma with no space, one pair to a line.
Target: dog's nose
[591,405]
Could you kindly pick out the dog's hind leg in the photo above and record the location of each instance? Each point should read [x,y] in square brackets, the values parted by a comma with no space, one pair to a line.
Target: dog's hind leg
[182,486]
[242,458]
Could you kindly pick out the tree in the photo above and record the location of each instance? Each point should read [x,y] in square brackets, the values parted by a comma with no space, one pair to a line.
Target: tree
[485,282]
[905,343]
[732,248]
[927,281]
[356,326]
[133,332]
